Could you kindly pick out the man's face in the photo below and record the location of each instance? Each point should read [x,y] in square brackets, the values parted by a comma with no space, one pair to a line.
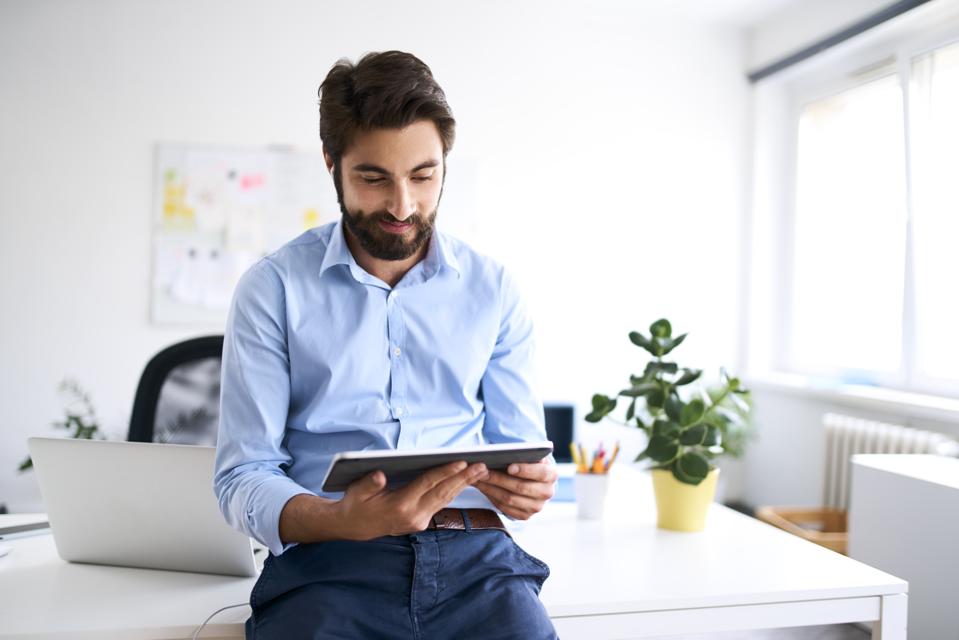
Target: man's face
[389,187]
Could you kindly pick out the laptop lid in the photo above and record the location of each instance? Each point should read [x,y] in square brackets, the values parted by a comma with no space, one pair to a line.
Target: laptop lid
[137,504]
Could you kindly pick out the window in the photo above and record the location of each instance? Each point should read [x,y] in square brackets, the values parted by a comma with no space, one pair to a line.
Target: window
[874,243]
[849,229]
[934,105]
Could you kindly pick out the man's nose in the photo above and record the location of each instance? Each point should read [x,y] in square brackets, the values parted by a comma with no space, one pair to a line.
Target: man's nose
[401,205]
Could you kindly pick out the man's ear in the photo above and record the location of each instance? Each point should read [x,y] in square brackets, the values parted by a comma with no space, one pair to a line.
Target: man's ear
[328,159]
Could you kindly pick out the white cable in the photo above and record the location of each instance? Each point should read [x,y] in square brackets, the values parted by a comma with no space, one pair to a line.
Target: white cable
[205,622]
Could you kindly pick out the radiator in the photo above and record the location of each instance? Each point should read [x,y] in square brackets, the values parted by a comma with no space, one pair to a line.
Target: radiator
[846,436]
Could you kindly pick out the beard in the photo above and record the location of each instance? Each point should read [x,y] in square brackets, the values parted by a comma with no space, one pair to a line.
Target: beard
[381,244]
[384,245]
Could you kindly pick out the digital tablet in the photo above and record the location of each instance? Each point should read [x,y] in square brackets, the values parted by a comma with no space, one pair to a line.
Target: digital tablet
[403,466]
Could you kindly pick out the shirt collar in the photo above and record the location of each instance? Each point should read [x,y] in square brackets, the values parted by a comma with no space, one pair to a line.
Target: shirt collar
[336,250]
[439,254]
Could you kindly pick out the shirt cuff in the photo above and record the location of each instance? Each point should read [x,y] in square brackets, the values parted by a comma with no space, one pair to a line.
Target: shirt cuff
[264,516]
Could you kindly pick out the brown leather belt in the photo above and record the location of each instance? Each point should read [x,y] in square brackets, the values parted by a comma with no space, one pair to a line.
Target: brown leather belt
[478,519]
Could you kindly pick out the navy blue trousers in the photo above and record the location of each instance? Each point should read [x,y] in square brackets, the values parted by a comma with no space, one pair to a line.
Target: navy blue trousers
[433,584]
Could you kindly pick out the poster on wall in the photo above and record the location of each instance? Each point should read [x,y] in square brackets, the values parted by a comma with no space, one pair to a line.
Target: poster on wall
[216,211]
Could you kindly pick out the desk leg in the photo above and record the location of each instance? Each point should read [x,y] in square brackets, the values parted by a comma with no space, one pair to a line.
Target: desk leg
[892,624]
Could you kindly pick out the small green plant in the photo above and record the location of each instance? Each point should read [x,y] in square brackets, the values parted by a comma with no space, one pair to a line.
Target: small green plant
[685,436]
[80,419]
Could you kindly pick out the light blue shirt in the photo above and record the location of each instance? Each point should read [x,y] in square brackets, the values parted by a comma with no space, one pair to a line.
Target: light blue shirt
[320,357]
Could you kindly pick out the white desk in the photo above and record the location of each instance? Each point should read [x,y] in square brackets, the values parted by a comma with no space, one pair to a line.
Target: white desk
[618,578]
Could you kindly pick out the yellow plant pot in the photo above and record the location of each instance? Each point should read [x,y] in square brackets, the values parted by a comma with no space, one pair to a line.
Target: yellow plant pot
[681,506]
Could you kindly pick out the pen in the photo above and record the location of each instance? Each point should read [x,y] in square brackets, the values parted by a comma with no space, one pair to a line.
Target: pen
[612,458]
[576,458]
[598,462]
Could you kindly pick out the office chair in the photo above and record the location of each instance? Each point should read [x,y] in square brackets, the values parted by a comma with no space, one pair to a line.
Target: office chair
[178,398]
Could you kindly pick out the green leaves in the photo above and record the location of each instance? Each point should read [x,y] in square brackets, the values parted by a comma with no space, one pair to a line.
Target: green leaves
[661,328]
[693,436]
[640,340]
[691,468]
[662,449]
[674,407]
[602,406]
[655,399]
[713,436]
[692,412]
[688,375]
[684,435]
[660,341]
[657,366]
[640,389]
[80,419]
[675,342]
[666,428]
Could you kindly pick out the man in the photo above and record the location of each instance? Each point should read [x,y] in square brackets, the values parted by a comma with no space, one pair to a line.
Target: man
[379,332]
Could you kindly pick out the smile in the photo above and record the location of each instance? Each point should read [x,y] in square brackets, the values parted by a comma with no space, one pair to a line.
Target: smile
[395,228]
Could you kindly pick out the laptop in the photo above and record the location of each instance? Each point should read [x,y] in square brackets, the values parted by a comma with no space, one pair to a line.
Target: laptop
[137,504]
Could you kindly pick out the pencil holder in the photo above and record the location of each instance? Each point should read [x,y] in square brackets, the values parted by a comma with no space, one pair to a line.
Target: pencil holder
[590,491]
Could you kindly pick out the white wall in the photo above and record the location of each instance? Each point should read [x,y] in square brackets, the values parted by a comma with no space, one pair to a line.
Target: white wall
[605,141]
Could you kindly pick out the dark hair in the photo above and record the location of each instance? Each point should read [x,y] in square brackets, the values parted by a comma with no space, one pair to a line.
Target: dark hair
[388,90]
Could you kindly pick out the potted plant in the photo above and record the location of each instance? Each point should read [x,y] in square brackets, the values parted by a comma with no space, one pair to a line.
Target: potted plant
[688,426]
[80,418]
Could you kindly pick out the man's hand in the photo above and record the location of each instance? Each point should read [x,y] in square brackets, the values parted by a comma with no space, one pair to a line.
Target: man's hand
[369,510]
[522,491]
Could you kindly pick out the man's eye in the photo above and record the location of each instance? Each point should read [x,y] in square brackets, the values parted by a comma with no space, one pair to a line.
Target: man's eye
[372,180]
[422,178]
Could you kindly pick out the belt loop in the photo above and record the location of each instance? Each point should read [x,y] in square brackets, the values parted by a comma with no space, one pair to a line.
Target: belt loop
[466,521]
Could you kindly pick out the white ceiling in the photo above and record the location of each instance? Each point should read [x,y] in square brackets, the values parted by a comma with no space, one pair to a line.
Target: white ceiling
[734,13]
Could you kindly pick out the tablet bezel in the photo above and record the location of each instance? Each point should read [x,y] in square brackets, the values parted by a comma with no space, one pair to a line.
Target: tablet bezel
[402,466]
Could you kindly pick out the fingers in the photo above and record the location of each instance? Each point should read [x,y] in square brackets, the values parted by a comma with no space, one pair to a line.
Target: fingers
[512,504]
[541,490]
[440,485]
[411,507]
[443,493]
[541,471]
[522,491]
[368,486]
[429,479]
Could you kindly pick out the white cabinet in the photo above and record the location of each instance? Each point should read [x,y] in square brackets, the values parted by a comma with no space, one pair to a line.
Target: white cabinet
[904,519]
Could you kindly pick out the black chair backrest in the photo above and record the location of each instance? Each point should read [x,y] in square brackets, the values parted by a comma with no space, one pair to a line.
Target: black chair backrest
[178,398]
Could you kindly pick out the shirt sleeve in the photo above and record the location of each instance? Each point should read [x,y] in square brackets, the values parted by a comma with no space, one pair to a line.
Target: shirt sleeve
[249,479]
[514,410]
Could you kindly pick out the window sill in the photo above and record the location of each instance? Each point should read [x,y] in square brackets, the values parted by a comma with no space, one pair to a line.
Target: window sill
[901,403]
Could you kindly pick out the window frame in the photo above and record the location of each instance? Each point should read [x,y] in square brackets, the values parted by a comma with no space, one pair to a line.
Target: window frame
[891,51]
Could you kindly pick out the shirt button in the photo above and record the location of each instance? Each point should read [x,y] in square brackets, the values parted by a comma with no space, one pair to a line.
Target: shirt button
[398,411]
[397,352]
